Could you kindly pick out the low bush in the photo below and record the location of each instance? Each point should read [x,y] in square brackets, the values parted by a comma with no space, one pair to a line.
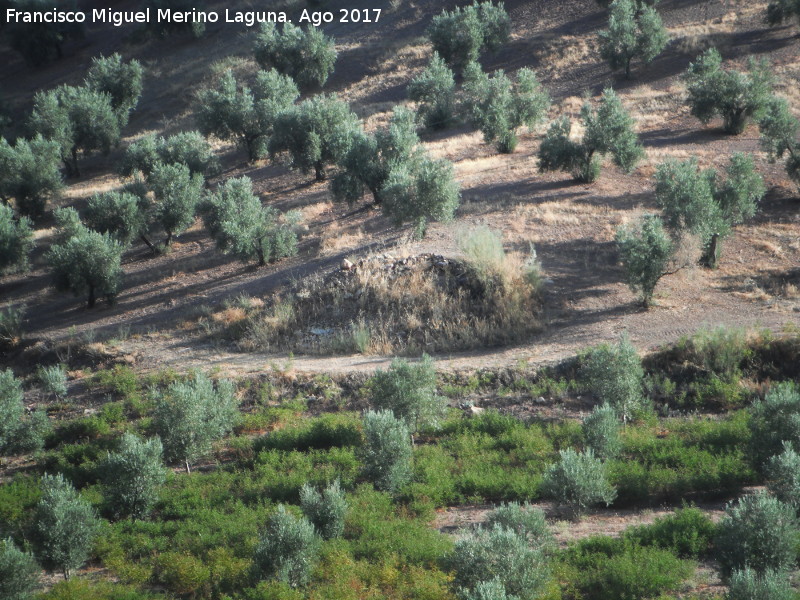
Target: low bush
[747,584]
[578,481]
[524,520]
[326,509]
[688,533]
[287,550]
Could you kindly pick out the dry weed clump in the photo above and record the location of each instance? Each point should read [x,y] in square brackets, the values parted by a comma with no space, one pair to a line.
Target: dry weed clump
[383,305]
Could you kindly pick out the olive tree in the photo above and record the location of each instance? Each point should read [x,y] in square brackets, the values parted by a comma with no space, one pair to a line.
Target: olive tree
[30,174]
[434,91]
[317,132]
[607,130]
[64,526]
[386,453]
[307,56]
[614,374]
[19,573]
[326,509]
[41,42]
[16,241]
[646,251]
[733,95]
[422,191]
[371,158]
[783,473]
[132,475]
[759,532]
[500,106]
[19,432]
[166,27]
[80,119]
[243,227]
[121,214]
[85,262]
[287,549]
[459,36]
[499,555]
[779,136]
[632,33]
[188,148]
[578,481]
[408,390]
[190,415]
[698,202]
[243,114]
[601,432]
[177,194]
[120,80]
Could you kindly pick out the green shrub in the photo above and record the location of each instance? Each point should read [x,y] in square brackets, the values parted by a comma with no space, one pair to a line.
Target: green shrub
[614,375]
[460,36]
[64,526]
[498,553]
[177,193]
[775,420]
[601,432]
[53,380]
[121,81]
[688,532]
[183,573]
[120,214]
[760,532]
[287,550]
[30,174]
[779,135]
[19,573]
[747,584]
[524,520]
[783,472]
[190,415]
[19,432]
[326,510]
[11,329]
[408,390]
[327,431]
[131,476]
[386,454]
[634,31]
[578,481]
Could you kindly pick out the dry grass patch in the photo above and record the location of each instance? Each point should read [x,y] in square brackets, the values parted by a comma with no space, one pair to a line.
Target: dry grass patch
[406,306]
[334,240]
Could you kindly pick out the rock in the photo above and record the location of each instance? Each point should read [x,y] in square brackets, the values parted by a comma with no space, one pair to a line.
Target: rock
[474,411]
[541,400]
[347,265]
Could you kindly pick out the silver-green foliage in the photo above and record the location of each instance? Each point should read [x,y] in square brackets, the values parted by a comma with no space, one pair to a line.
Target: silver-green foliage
[759,532]
[243,227]
[19,432]
[408,390]
[775,421]
[287,550]
[246,115]
[614,374]
[307,56]
[30,174]
[632,33]
[19,573]
[783,472]
[459,36]
[646,250]
[132,475]
[601,432]
[733,95]
[434,91]
[64,526]
[578,481]
[779,130]
[16,241]
[177,193]
[488,590]
[120,214]
[501,555]
[84,261]
[607,130]
[386,453]
[53,380]
[747,584]
[325,509]
[500,106]
[317,132]
[525,520]
[188,148]
[120,80]
[190,415]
